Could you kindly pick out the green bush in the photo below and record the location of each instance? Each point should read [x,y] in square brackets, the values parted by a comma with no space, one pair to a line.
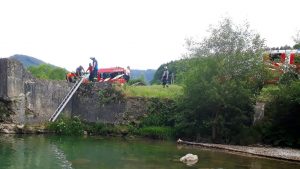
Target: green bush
[267,93]
[297,58]
[112,94]
[161,112]
[281,123]
[218,98]
[288,77]
[96,128]
[67,126]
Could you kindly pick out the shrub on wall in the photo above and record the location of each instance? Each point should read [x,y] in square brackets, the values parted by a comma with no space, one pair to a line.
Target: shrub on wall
[67,126]
[113,94]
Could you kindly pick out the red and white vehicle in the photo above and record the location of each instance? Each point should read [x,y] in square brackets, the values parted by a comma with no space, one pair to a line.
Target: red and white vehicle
[281,61]
[282,58]
[114,74]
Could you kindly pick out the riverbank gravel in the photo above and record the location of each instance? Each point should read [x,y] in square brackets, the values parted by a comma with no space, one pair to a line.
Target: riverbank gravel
[279,153]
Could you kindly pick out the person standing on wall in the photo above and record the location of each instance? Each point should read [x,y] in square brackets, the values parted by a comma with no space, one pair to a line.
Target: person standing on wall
[95,67]
[165,77]
[127,74]
[90,70]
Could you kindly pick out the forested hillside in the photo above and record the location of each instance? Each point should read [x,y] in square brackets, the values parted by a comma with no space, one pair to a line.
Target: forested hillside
[147,75]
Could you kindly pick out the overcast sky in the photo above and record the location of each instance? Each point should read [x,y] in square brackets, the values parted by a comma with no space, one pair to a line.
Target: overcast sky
[139,33]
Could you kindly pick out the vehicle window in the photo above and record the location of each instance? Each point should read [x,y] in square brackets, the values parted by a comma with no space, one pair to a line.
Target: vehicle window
[105,75]
[275,57]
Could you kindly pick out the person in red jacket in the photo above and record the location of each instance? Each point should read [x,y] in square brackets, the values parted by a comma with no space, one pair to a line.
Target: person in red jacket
[90,70]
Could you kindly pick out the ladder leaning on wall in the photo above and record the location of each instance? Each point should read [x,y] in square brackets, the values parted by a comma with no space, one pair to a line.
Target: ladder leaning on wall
[66,100]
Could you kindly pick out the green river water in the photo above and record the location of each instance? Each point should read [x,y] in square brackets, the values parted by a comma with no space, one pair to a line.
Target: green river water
[54,152]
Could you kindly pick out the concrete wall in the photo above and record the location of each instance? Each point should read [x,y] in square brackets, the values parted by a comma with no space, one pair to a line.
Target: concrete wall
[3,78]
[87,105]
[42,97]
[30,100]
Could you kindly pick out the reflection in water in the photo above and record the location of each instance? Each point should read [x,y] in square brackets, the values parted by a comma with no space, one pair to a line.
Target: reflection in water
[255,165]
[64,163]
[6,151]
[52,152]
[27,152]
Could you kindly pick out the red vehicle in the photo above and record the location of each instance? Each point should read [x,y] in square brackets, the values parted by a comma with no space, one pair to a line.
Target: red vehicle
[283,58]
[114,74]
[279,61]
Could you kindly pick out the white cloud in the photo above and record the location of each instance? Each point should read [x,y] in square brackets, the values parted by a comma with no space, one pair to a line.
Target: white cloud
[139,33]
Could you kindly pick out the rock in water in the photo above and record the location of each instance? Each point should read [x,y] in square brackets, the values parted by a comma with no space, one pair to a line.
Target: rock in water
[189,159]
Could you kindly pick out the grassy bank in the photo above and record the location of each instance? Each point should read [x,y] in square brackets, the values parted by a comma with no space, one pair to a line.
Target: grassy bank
[157,91]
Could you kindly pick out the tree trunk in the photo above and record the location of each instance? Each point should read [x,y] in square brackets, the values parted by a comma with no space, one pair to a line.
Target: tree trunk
[214,128]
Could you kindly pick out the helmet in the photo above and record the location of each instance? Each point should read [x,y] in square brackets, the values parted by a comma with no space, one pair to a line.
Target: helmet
[166,67]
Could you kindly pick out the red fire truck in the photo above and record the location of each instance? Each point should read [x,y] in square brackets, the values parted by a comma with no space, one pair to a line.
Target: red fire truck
[281,61]
[114,74]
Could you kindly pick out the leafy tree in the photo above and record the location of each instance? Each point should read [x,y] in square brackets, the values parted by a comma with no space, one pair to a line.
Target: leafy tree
[296,46]
[57,74]
[46,71]
[281,123]
[220,84]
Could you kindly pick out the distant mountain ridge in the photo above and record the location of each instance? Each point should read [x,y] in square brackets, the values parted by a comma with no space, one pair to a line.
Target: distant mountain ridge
[27,61]
[146,74]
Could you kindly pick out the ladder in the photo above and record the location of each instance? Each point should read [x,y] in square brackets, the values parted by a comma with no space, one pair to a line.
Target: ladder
[66,100]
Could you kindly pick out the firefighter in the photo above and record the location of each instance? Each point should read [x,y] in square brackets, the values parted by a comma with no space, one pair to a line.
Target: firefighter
[127,74]
[90,70]
[79,71]
[95,67]
[70,77]
[165,77]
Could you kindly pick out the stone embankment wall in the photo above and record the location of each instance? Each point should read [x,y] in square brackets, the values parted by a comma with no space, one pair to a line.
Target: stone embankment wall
[88,105]
[27,100]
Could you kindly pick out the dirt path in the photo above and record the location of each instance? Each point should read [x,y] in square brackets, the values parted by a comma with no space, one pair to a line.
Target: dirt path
[279,153]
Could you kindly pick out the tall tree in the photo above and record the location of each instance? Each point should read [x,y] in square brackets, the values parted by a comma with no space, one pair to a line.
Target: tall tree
[221,82]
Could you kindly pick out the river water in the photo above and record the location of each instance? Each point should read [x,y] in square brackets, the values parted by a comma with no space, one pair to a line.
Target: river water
[54,152]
